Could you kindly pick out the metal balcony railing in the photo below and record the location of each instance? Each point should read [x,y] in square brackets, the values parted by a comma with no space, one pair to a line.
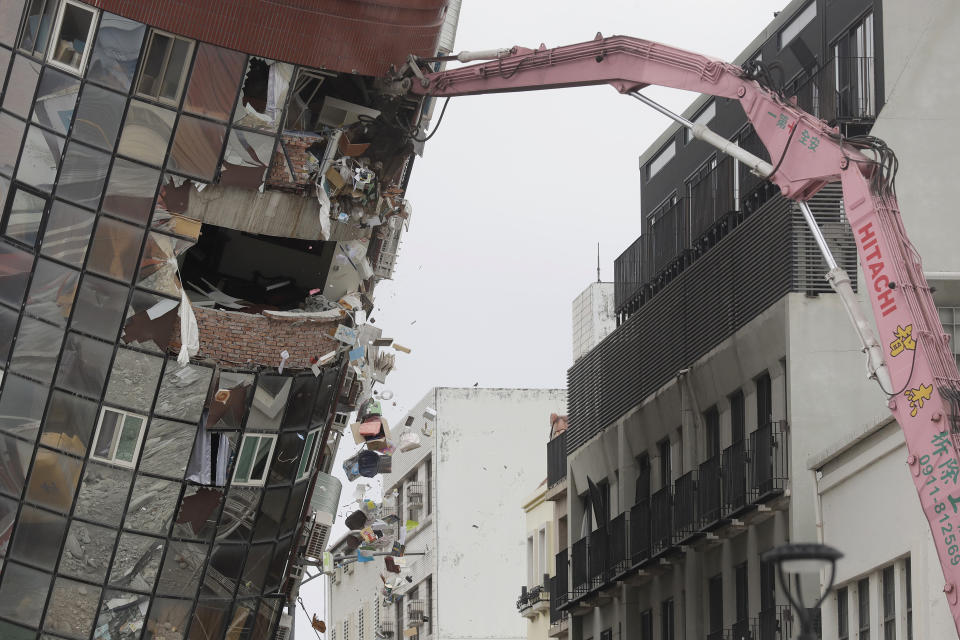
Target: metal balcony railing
[734,478]
[709,492]
[640,532]
[774,623]
[617,561]
[711,199]
[667,228]
[578,567]
[559,594]
[741,630]
[415,494]
[768,461]
[530,597]
[685,520]
[661,520]
[416,611]
[386,628]
[842,90]
[557,460]
[598,551]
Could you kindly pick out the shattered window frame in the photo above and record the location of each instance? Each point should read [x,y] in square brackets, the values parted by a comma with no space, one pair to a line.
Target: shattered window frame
[115,438]
[162,78]
[51,57]
[309,456]
[247,471]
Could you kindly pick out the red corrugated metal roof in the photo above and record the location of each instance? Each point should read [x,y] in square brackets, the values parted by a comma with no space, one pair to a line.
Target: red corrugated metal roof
[362,36]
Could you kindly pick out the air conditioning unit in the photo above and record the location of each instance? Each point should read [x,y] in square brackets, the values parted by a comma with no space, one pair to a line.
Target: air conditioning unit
[348,568]
[340,421]
[316,543]
[284,628]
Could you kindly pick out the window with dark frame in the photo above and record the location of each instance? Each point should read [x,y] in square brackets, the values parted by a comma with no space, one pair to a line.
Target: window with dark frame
[606,634]
[742,594]
[843,614]
[667,623]
[907,569]
[738,420]
[163,72]
[889,586]
[23,214]
[764,399]
[646,625]
[642,486]
[36,31]
[663,450]
[715,603]
[863,609]
[711,432]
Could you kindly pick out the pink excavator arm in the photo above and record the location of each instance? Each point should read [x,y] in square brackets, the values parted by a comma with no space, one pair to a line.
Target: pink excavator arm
[919,372]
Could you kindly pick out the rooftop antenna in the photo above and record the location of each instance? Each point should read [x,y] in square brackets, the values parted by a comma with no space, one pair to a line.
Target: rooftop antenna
[598,262]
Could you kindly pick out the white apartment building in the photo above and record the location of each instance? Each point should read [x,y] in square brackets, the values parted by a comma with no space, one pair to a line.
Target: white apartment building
[457,494]
[593,317]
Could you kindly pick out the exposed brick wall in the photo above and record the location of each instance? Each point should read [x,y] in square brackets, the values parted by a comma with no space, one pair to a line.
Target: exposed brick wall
[360,36]
[233,338]
[293,155]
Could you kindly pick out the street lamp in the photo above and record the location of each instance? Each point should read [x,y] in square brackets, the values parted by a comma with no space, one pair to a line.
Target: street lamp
[803,558]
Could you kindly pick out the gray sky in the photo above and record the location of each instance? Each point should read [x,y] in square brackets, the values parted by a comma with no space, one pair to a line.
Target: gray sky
[514,193]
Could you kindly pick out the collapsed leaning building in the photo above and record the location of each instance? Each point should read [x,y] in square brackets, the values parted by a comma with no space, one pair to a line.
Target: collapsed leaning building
[197,203]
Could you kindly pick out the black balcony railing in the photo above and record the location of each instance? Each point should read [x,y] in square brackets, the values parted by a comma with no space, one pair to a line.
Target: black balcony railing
[842,90]
[578,566]
[531,596]
[774,623]
[685,521]
[559,594]
[557,459]
[741,630]
[617,561]
[598,552]
[667,227]
[661,520]
[734,478]
[709,492]
[640,532]
[768,460]
[712,199]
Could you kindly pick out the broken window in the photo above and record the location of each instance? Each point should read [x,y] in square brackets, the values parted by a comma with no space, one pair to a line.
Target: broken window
[114,58]
[23,214]
[36,31]
[24,75]
[56,99]
[72,33]
[214,82]
[146,132]
[99,116]
[158,269]
[118,437]
[246,159]
[306,100]
[165,67]
[150,321]
[196,148]
[255,453]
[263,94]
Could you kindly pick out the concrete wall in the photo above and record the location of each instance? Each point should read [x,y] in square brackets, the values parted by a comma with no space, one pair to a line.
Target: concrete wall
[491,445]
[593,317]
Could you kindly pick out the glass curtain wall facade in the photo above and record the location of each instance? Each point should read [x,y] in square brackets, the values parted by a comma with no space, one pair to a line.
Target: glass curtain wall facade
[127,510]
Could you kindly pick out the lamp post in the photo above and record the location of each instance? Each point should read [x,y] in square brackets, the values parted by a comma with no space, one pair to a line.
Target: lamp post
[803,558]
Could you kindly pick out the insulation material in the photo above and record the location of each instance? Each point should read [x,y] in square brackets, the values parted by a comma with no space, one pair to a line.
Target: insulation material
[189,332]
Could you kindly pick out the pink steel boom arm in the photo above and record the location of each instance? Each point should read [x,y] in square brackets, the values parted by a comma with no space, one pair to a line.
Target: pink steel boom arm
[913,362]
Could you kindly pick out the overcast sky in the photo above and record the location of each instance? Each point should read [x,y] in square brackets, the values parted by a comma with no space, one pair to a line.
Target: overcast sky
[512,196]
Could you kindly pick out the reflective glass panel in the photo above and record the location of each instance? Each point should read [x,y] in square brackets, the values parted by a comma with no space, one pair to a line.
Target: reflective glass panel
[10,13]
[246,158]
[53,480]
[84,365]
[11,132]
[15,266]
[157,272]
[241,622]
[214,81]
[146,132]
[167,447]
[275,573]
[226,561]
[212,454]
[294,507]
[56,99]
[239,512]
[114,58]
[4,190]
[24,74]
[36,32]
[38,537]
[10,631]
[165,67]
[23,593]
[233,389]
[115,249]
[130,191]
[198,513]
[98,117]
[21,406]
[82,176]
[209,618]
[263,94]
[133,379]
[8,512]
[23,220]
[271,513]
[168,619]
[72,35]
[35,351]
[152,505]
[297,415]
[52,291]
[103,494]
[8,326]
[266,616]
[15,458]
[99,307]
[255,569]
[67,233]
[269,401]
[196,148]
[87,551]
[41,153]
[182,568]
[122,614]
[69,423]
[72,608]
[137,562]
[286,458]
[5,56]
[183,391]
